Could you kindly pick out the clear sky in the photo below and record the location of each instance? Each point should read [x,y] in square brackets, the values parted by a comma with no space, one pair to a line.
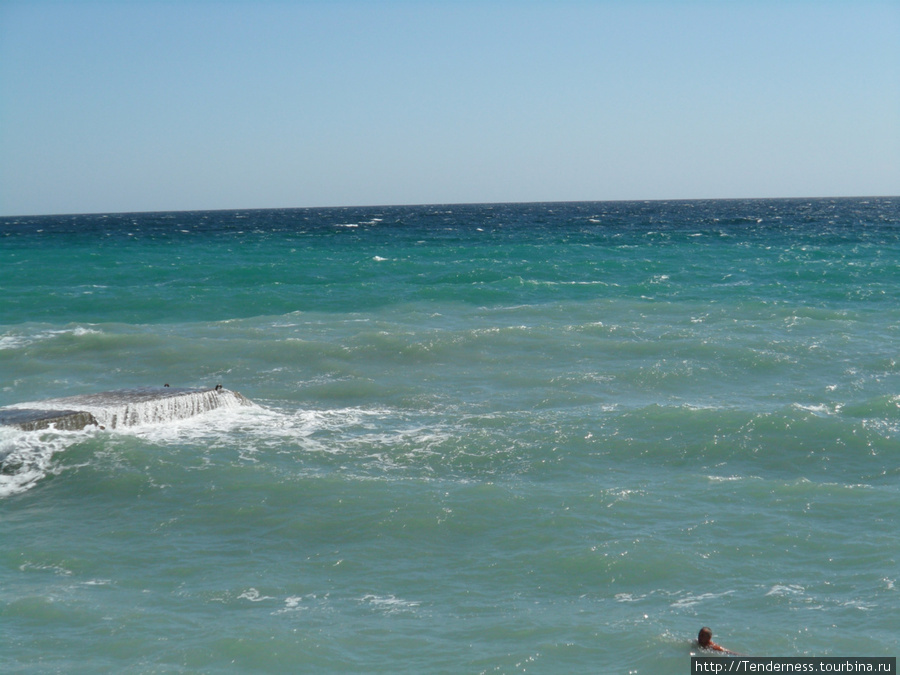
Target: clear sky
[143,105]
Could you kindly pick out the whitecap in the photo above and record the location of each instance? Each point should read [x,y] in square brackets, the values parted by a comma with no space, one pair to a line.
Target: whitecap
[26,457]
[389,604]
[13,342]
[692,600]
[254,595]
[819,409]
[55,569]
[18,341]
[786,590]
[299,603]
[292,602]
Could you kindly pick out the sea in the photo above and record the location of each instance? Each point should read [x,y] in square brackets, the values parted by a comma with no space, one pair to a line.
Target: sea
[503,438]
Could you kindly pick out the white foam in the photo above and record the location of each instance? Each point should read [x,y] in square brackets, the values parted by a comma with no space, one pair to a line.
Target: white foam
[786,590]
[18,341]
[27,456]
[819,410]
[13,341]
[388,604]
[299,603]
[291,604]
[58,570]
[253,431]
[254,595]
[692,600]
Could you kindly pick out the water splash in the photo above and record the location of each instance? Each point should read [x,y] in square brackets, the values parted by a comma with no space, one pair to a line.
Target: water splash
[32,433]
[139,406]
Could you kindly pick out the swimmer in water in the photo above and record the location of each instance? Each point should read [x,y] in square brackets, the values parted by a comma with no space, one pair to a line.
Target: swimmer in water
[704,641]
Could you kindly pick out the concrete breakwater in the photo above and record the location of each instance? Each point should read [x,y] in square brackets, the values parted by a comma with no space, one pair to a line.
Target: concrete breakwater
[119,408]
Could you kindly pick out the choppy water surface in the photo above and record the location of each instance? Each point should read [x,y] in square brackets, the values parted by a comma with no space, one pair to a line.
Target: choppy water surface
[544,438]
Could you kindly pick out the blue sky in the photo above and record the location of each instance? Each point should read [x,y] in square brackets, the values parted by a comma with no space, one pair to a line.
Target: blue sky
[163,105]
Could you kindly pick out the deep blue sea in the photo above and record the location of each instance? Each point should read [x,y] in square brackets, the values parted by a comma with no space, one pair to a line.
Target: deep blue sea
[510,438]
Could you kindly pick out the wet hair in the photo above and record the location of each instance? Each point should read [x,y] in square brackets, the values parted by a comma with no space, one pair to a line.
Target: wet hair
[704,636]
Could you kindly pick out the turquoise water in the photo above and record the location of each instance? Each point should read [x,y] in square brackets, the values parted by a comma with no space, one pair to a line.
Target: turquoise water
[547,438]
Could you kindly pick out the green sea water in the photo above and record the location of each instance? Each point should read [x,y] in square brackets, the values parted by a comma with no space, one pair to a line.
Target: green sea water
[544,438]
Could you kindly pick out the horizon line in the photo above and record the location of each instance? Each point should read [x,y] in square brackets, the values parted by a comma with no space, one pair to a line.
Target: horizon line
[443,204]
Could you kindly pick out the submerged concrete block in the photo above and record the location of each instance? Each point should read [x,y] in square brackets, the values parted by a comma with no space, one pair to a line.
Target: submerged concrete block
[122,407]
[30,419]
